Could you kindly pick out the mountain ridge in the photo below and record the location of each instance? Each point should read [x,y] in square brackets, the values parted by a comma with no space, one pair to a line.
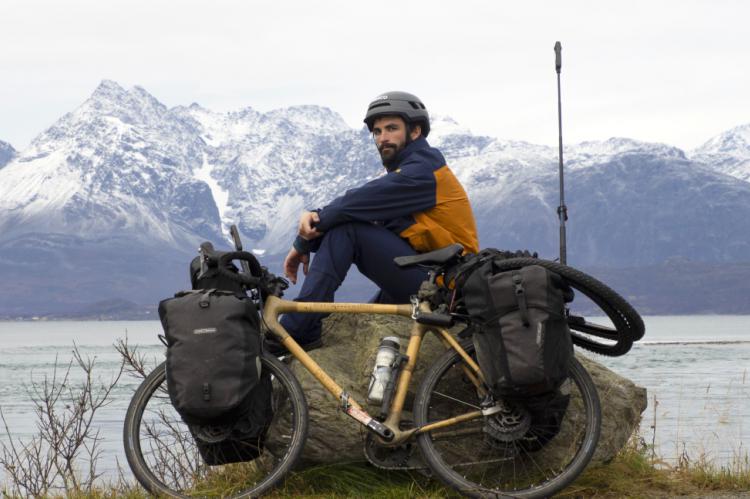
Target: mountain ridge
[124,182]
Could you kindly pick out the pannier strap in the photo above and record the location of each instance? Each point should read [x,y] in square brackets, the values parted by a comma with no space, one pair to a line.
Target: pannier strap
[521,297]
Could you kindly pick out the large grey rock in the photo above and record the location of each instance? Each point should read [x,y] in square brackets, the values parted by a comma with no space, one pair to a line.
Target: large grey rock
[622,403]
[348,355]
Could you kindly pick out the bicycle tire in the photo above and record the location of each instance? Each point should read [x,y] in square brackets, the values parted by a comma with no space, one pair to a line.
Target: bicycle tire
[164,458]
[628,323]
[469,459]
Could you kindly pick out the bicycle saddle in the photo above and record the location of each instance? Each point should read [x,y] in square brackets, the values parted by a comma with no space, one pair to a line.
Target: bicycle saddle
[437,257]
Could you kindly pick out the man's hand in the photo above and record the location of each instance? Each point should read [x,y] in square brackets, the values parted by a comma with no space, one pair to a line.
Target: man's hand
[292,262]
[306,222]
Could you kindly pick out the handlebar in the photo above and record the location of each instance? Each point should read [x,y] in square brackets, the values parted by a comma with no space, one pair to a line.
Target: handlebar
[259,278]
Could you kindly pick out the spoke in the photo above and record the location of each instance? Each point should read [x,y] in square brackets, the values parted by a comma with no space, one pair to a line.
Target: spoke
[486,461]
[457,400]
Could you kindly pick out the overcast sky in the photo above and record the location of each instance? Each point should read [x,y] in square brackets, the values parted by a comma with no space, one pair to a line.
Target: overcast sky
[665,71]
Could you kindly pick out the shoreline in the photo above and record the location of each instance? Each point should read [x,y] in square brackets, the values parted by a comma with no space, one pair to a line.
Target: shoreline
[691,342]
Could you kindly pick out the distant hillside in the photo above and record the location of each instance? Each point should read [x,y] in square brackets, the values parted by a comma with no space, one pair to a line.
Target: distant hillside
[111,202]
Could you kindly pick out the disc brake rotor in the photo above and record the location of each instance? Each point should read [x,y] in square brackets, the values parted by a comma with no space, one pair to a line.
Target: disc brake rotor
[511,423]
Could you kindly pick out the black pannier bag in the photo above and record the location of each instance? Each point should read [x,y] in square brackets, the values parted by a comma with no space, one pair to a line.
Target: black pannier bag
[214,377]
[213,348]
[243,440]
[521,335]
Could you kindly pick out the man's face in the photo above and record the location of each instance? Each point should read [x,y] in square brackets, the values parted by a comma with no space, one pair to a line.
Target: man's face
[389,133]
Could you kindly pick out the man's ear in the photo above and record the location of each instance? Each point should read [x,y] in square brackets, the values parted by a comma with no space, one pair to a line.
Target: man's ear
[416,131]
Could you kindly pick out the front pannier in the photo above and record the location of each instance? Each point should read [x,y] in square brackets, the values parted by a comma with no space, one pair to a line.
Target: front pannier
[213,348]
[244,439]
[214,376]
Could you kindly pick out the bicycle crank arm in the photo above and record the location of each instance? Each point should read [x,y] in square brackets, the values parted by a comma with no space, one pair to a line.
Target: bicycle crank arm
[371,423]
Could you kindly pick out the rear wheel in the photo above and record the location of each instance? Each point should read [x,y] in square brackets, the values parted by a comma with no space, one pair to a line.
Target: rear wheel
[528,450]
[163,455]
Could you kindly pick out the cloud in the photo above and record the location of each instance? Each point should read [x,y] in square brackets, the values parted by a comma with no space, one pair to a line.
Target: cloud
[639,69]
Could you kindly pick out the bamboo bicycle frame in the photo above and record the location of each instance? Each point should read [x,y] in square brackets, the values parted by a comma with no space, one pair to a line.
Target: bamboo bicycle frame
[275,306]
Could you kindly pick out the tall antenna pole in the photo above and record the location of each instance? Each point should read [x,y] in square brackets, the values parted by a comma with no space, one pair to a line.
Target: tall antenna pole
[562,210]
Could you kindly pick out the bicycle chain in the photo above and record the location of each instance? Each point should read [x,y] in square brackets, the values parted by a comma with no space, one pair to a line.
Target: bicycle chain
[404,457]
[401,458]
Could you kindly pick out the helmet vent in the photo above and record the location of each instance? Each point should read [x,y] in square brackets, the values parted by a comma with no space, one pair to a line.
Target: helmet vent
[379,104]
[414,105]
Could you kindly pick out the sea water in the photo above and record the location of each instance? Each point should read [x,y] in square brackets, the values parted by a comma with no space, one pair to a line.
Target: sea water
[695,369]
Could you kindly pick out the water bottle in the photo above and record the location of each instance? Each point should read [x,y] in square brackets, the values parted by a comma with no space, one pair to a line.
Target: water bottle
[383,370]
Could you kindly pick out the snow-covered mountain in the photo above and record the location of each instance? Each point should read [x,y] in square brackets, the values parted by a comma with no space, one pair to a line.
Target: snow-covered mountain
[111,201]
[264,168]
[7,153]
[120,163]
[728,152]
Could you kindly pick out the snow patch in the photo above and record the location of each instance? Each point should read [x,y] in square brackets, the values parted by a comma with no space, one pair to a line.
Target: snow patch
[444,126]
[282,225]
[221,196]
[728,152]
[43,184]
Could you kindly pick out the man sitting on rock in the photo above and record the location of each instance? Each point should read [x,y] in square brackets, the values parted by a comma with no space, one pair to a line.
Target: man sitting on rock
[417,206]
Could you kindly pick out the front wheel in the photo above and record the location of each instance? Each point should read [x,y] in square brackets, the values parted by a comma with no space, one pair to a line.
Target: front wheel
[163,455]
[532,449]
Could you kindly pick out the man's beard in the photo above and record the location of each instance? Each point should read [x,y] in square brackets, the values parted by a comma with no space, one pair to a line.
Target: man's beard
[388,155]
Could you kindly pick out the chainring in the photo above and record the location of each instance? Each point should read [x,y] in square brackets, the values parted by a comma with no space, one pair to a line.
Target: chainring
[402,457]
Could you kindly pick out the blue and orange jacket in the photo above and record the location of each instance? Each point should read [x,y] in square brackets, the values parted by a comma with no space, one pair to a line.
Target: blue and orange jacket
[420,200]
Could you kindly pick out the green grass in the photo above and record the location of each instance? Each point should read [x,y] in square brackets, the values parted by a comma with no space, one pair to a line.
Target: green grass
[362,481]
[634,473]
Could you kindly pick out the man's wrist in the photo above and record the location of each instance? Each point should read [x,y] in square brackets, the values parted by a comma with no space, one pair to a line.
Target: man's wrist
[302,245]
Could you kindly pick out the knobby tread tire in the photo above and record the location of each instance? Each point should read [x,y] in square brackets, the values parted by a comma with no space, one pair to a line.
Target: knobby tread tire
[628,323]
[577,464]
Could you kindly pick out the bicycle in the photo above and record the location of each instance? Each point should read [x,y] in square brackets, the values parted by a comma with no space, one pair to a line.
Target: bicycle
[479,445]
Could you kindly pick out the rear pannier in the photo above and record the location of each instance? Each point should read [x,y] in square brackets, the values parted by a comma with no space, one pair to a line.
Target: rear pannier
[522,340]
[521,336]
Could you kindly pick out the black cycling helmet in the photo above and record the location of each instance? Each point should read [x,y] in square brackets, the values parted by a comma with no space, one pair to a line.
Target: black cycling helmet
[403,104]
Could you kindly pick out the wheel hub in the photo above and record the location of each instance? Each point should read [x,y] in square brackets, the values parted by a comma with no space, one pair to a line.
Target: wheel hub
[211,434]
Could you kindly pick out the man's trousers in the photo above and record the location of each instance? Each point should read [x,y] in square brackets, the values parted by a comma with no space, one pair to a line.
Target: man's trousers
[372,249]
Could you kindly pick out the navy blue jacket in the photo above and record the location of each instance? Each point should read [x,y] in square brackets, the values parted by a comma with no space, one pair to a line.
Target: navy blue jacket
[420,200]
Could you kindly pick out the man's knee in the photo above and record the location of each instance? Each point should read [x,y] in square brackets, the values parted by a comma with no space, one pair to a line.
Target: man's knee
[339,232]
[354,235]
